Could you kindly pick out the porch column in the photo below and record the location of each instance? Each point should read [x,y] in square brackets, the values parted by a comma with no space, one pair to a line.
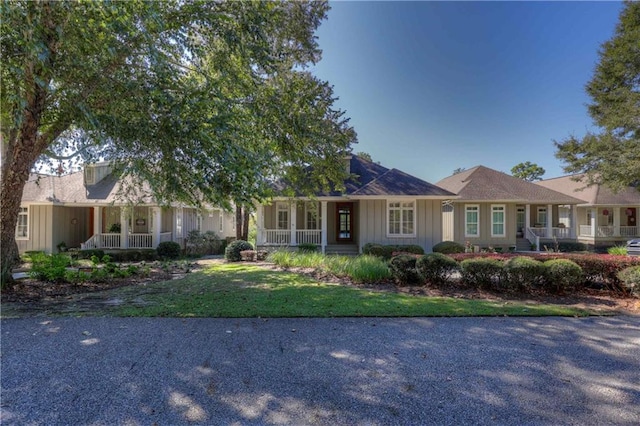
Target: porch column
[156,220]
[294,227]
[593,219]
[97,220]
[549,221]
[575,228]
[124,227]
[259,224]
[527,219]
[616,221]
[323,226]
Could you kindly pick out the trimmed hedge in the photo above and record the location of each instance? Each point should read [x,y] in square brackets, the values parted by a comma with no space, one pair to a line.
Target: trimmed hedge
[169,250]
[232,252]
[403,269]
[448,247]
[435,268]
[387,251]
[563,275]
[482,272]
[522,272]
[307,248]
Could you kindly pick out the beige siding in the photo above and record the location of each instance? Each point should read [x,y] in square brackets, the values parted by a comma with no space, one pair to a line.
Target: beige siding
[71,226]
[448,222]
[110,216]
[140,214]
[485,238]
[40,230]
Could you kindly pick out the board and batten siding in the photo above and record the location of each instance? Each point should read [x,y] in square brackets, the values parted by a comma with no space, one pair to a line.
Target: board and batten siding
[40,230]
[485,238]
[64,229]
[373,224]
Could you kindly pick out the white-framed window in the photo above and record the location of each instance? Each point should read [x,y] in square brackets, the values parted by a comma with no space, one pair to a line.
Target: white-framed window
[282,215]
[312,216]
[401,218]
[22,227]
[541,218]
[472,220]
[497,220]
[179,222]
[199,222]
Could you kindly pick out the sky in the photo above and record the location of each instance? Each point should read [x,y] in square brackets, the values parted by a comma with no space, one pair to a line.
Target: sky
[431,87]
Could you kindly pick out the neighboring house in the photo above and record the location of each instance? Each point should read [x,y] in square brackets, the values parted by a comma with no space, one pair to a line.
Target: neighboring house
[605,218]
[86,210]
[379,205]
[497,210]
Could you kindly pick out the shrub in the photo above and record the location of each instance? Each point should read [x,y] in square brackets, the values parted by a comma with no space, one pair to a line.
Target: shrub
[448,247]
[568,246]
[248,255]
[435,268]
[563,275]
[377,250]
[410,248]
[403,269]
[630,279]
[232,252]
[169,250]
[604,268]
[88,254]
[134,255]
[367,269]
[481,272]
[523,272]
[617,250]
[307,248]
[49,268]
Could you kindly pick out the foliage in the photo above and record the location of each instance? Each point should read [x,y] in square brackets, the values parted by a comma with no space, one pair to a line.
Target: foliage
[115,228]
[448,247]
[49,267]
[612,157]
[131,255]
[569,246]
[435,268]
[248,255]
[630,279]
[528,171]
[481,272]
[378,250]
[307,247]
[411,248]
[617,250]
[563,275]
[232,252]
[522,272]
[403,269]
[169,250]
[88,254]
[200,244]
[603,268]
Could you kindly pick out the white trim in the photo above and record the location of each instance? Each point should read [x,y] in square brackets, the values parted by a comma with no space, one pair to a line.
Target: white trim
[402,208]
[284,207]
[316,210]
[22,211]
[546,215]
[476,207]
[503,209]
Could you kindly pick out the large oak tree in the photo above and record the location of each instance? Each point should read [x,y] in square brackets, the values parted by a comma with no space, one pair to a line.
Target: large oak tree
[612,156]
[207,101]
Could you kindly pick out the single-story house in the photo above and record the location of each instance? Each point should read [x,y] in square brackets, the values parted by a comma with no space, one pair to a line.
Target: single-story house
[494,209]
[378,205]
[604,217]
[86,210]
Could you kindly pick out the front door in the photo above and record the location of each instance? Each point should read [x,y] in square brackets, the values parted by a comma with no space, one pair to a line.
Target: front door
[344,219]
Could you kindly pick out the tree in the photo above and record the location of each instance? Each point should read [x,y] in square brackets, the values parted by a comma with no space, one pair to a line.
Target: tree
[205,101]
[459,170]
[612,156]
[528,171]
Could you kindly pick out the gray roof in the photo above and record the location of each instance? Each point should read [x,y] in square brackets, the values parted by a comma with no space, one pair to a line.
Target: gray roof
[484,184]
[592,195]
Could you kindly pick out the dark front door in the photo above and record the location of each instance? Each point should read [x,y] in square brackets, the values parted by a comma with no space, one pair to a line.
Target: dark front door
[344,219]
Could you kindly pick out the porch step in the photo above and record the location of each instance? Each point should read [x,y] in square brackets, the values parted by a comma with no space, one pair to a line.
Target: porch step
[522,244]
[346,250]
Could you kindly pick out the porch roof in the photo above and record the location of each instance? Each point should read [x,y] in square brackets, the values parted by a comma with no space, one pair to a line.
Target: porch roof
[481,183]
[592,195]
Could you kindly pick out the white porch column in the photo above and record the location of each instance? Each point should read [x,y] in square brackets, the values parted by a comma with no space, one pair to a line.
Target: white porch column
[156,220]
[527,218]
[575,228]
[97,220]
[593,220]
[124,227]
[549,221]
[616,221]
[294,227]
[260,224]
[323,226]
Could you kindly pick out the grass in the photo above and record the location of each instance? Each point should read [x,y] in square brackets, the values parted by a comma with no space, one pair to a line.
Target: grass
[239,290]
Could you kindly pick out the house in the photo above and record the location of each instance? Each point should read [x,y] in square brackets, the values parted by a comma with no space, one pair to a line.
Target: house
[497,210]
[604,218]
[87,209]
[378,205]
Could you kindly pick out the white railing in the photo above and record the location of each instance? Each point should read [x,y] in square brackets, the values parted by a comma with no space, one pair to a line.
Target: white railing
[533,237]
[165,236]
[629,231]
[277,236]
[586,231]
[556,232]
[140,241]
[102,241]
[309,236]
[604,231]
[609,231]
[561,232]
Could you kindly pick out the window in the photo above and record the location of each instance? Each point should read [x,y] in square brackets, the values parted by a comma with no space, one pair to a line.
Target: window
[497,221]
[179,223]
[471,221]
[221,222]
[22,227]
[520,219]
[199,222]
[542,216]
[401,218]
[282,215]
[312,216]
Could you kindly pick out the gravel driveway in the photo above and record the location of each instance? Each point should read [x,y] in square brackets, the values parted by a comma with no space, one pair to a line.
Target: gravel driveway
[368,371]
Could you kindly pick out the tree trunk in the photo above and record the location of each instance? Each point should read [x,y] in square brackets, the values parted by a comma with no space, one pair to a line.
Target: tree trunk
[238,222]
[245,224]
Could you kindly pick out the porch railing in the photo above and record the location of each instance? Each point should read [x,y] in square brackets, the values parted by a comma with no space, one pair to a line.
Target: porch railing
[609,231]
[309,236]
[100,241]
[533,237]
[138,241]
[556,232]
[277,236]
[282,237]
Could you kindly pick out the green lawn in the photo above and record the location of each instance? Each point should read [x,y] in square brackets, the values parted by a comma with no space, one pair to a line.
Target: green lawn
[241,290]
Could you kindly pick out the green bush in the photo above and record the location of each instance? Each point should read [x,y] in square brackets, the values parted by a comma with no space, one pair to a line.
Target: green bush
[88,254]
[481,272]
[232,252]
[169,250]
[568,246]
[617,250]
[403,269]
[523,272]
[435,268]
[307,248]
[563,275]
[134,255]
[377,250]
[448,247]
[410,248]
[630,279]
[49,268]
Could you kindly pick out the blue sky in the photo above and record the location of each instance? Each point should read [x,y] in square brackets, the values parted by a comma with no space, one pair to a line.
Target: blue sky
[434,86]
